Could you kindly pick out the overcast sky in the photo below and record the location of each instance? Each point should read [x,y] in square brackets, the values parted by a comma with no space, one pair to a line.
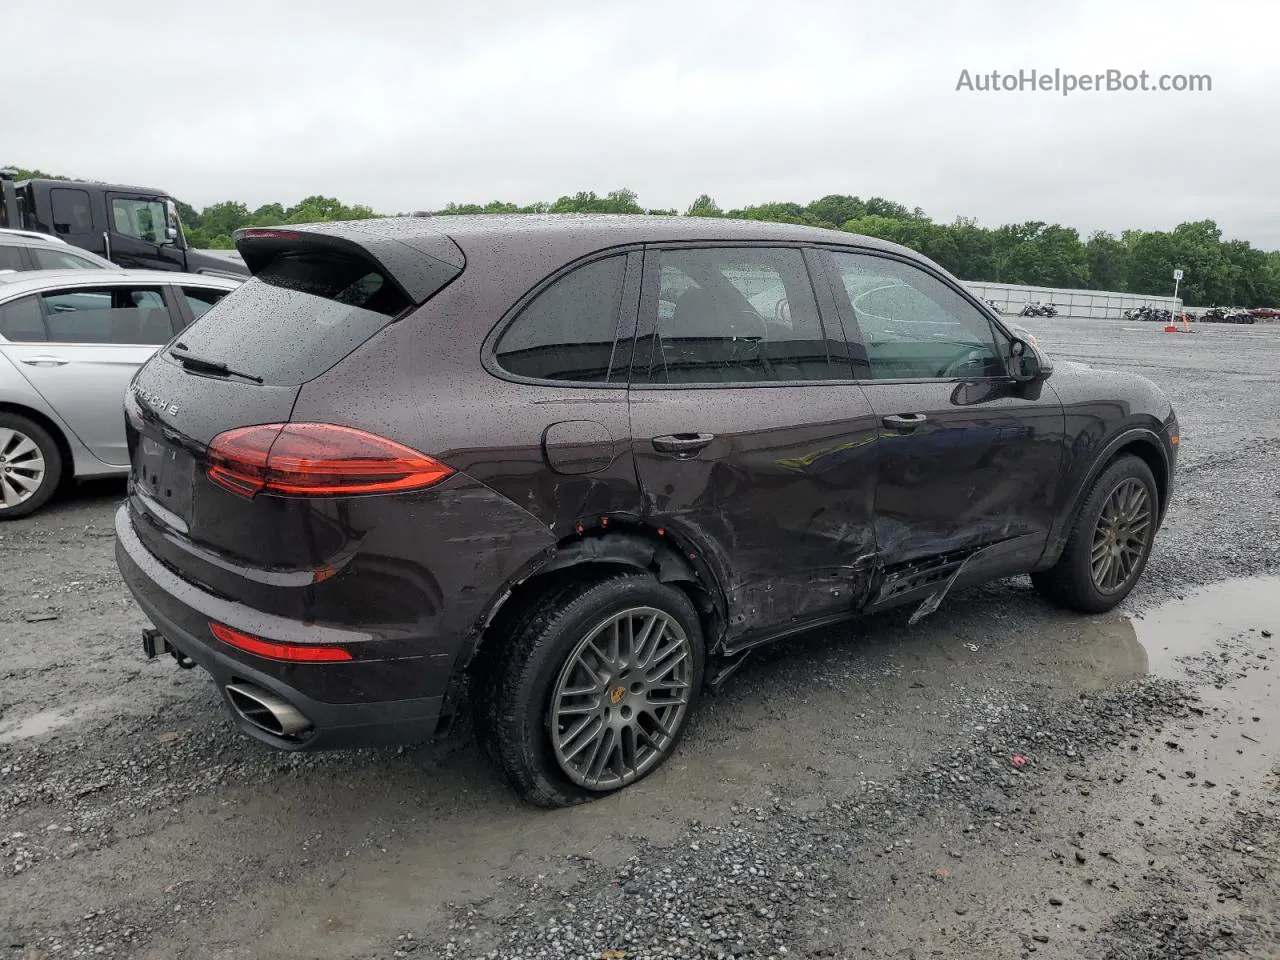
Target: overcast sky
[409,105]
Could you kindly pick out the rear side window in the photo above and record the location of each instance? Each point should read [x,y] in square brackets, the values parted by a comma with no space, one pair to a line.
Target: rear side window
[71,212]
[739,315]
[48,259]
[22,322]
[567,331]
[297,317]
[119,315]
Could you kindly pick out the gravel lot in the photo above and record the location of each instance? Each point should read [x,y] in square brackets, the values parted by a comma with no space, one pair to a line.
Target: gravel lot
[852,793]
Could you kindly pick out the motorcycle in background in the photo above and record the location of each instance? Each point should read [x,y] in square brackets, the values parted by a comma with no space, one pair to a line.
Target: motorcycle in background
[1149,314]
[1038,309]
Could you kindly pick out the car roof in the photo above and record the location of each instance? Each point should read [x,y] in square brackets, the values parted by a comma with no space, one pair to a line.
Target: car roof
[587,230]
[32,281]
[60,247]
[30,236]
[634,227]
[97,184]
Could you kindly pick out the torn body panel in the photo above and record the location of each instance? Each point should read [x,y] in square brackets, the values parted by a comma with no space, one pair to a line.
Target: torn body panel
[779,500]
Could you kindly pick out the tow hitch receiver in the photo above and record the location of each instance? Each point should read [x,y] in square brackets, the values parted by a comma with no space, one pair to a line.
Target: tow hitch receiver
[154,644]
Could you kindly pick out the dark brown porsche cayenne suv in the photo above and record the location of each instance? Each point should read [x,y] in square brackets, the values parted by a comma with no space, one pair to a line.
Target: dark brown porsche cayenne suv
[566,472]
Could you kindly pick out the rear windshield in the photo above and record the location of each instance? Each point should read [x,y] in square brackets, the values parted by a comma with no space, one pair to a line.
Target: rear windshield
[296,318]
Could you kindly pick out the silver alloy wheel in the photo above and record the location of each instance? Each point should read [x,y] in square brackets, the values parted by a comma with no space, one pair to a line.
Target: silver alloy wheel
[1121,536]
[621,698]
[21,468]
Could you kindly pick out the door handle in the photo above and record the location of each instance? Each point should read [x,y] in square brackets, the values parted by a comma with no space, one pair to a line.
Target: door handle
[904,422]
[682,443]
[44,361]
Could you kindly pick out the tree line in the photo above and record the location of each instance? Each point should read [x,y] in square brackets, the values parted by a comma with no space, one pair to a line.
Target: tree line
[1216,271]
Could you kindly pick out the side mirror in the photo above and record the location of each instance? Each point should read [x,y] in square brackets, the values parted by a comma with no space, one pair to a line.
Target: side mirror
[1026,363]
[171,231]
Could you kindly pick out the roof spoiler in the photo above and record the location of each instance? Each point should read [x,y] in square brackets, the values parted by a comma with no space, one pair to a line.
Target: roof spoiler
[417,258]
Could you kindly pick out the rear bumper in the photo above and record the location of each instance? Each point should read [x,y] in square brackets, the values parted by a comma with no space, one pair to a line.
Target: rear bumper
[181,611]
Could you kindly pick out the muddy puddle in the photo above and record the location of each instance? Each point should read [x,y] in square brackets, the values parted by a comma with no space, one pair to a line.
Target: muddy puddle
[1179,633]
[1187,638]
[50,720]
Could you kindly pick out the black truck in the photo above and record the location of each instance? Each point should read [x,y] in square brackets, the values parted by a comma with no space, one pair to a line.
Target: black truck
[133,227]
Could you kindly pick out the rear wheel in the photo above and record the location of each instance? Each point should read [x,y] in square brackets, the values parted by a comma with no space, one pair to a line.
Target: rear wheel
[1108,547]
[30,466]
[592,690]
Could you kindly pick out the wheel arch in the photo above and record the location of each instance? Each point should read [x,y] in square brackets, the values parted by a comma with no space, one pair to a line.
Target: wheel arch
[597,553]
[1141,442]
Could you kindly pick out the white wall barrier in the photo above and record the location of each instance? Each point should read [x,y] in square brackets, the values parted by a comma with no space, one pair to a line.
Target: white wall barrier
[1099,304]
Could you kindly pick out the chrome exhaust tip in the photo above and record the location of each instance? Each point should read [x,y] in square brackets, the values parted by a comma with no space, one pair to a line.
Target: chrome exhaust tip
[266,711]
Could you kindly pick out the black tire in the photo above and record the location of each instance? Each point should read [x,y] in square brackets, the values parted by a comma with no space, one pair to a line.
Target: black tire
[516,680]
[13,426]
[1071,582]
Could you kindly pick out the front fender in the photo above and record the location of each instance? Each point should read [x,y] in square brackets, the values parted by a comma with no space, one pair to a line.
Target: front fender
[1150,441]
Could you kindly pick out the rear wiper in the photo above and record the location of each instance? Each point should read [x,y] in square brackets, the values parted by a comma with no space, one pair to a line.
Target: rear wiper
[191,362]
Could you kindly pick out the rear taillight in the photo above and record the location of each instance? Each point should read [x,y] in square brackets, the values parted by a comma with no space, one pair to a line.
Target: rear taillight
[292,652]
[317,460]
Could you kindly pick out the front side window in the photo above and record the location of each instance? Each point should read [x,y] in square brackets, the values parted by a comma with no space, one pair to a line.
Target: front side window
[140,219]
[120,315]
[914,326]
[738,315]
[71,211]
[50,259]
[567,331]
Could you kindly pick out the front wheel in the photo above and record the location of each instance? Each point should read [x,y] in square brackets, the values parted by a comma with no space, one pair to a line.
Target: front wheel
[592,690]
[1109,544]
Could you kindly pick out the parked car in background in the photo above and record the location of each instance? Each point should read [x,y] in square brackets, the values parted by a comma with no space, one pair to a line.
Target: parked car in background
[70,340]
[22,250]
[566,471]
[133,227]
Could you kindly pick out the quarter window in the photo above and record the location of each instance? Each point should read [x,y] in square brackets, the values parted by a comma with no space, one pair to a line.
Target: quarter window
[22,322]
[121,315]
[913,325]
[11,258]
[567,331]
[739,315]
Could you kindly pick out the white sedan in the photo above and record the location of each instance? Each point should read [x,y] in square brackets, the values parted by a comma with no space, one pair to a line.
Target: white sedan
[70,341]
